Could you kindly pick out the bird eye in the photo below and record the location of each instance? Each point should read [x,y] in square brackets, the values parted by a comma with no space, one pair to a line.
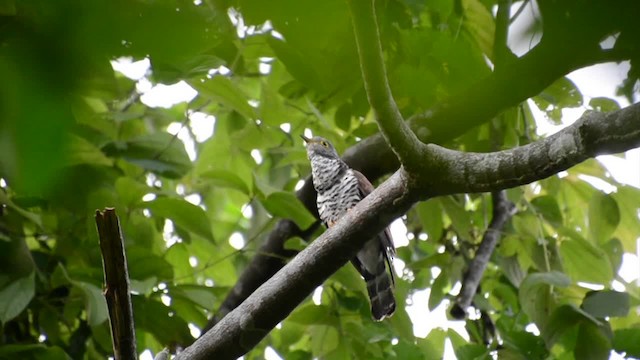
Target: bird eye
[324,143]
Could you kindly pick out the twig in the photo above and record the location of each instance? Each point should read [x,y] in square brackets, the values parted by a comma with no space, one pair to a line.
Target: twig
[116,278]
[503,210]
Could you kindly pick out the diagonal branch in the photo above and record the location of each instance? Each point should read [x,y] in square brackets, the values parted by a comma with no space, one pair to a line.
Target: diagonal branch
[399,136]
[503,210]
[245,326]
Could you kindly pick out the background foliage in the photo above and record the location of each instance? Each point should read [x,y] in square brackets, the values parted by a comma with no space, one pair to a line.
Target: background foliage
[76,137]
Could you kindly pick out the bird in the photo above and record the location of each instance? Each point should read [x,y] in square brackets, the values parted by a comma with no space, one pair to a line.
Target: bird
[339,189]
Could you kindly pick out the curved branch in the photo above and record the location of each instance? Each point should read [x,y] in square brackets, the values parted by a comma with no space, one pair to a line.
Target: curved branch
[399,136]
[245,326]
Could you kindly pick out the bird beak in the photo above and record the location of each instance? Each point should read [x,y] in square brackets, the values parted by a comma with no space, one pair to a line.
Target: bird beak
[306,139]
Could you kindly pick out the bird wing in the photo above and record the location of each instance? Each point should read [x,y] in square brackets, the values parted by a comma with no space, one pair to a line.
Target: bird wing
[386,241]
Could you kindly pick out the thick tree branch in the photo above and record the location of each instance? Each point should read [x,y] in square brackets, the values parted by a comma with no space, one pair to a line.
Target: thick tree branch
[517,80]
[593,134]
[503,210]
[116,279]
[399,136]
[245,326]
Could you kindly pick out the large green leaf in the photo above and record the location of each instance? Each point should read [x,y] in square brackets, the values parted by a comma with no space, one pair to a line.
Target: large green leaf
[585,262]
[96,305]
[16,296]
[227,179]
[606,303]
[183,214]
[535,294]
[604,217]
[286,205]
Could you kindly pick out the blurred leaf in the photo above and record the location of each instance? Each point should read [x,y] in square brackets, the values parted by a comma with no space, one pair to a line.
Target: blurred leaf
[562,93]
[585,262]
[295,243]
[183,214]
[548,207]
[161,321]
[627,341]
[32,351]
[479,22]
[81,151]
[604,217]
[438,289]
[534,294]
[223,90]
[430,214]
[460,218]
[16,296]
[96,305]
[286,205]
[628,198]
[606,303]
[226,179]
[592,342]
[159,152]
[603,104]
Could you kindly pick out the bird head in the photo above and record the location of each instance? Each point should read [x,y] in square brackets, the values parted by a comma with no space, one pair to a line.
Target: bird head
[318,146]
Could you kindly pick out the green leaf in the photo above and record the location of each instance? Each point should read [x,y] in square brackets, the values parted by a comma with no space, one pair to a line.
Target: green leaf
[563,93]
[561,321]
[159,152]
[606,303]
[628,200]
[16,296]
[226,179]
[433,345]
[295,243]
[460,218]
[311,314]
[479,22]
[604,217]
[184,214]
[534,294]
[287,206]
[547,206]
[197,294]
[154,317]
[82,151]
[592,342]
[95,303]
[324,339]
[130,190]
[438,289]
[32,352]
[430,214]
[628,341]
[603,104]
[585,262]
[221,89]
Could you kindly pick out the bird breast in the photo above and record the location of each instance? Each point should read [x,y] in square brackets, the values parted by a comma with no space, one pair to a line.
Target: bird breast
[336,200]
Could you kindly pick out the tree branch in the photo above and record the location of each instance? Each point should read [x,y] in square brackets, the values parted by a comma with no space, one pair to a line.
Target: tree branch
[245,326]
[593,134]
[503,210]
[399,136]
[518,80]
[116,279]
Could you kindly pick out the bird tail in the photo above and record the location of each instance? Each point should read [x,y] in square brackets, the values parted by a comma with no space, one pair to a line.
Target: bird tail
[379,287]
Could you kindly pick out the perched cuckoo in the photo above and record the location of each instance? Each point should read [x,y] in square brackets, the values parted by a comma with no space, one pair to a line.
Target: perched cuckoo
[339,189]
